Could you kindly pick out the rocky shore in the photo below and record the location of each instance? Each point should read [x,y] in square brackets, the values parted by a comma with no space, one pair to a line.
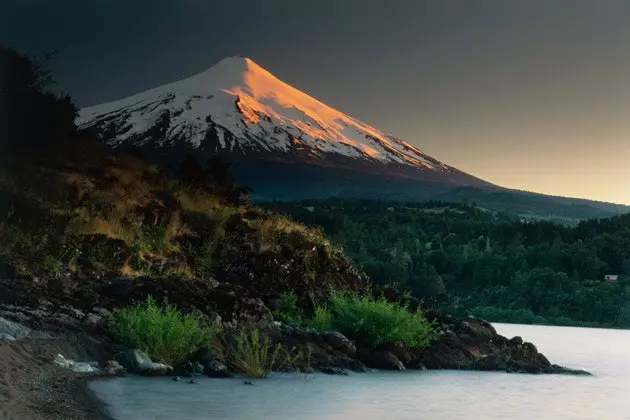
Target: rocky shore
[35,384]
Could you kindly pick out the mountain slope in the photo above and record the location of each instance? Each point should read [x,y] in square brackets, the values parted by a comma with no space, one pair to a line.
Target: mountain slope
[287,145]
[240,110]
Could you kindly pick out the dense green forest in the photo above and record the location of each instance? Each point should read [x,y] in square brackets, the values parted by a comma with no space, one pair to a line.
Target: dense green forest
[471,260]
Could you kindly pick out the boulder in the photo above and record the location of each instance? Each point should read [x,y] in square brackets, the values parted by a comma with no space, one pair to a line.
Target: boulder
[62,361]
[112,368]
[188,368]
[379,359]
[478,328]
[340,342]
[400,351]
[318,350]
[80,367]
[138,362]
[216,369]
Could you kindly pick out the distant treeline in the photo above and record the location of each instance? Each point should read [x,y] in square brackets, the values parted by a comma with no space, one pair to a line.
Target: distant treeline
[489,264]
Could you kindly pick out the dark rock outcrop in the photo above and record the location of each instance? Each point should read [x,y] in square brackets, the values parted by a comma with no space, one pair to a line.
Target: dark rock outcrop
[473,344]
[328,350]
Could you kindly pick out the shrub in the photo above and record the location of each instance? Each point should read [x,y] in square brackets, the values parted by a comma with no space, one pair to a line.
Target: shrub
[288,311]
[374,321]
[162,331]
[256,356]
[322,319]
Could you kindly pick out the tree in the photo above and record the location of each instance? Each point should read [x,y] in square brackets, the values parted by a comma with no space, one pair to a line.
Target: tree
[31,118]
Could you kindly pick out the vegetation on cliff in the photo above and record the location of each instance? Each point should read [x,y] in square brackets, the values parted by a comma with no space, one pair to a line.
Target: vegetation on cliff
[162,331]
[491,264]
[375,321]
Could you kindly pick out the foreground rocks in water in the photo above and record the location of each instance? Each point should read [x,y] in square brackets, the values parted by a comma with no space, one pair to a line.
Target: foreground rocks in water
[320,350]
[380,359]
[138,362]
[473,344]
[217,369]
[469,343]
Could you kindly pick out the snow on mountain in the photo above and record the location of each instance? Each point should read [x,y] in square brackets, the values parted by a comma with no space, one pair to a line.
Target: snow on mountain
[238,107]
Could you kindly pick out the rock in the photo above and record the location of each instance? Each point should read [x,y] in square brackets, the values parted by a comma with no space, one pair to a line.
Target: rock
[188,368]
[97,319]
[192,381]
[216,369]
[561,370]
[78,367]
[516,341]
[17,331]
[478,328]
[340,342]
[82,368]
[318,350]
[62,361]
[248,383]
[136,361]
[7,337]
[380,359]
[357,366]
[334,371]
[490,362]
[113,368]
[400,351]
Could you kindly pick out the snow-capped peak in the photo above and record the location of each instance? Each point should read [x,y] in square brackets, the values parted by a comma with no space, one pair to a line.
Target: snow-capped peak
[238,106]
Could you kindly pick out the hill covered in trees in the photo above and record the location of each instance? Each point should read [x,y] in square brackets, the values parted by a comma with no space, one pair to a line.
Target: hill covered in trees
[494,265]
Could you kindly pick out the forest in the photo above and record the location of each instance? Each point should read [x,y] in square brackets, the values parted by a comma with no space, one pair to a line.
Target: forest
[467,259]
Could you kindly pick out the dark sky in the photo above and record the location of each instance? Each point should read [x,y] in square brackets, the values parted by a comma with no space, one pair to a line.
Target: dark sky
[530,94]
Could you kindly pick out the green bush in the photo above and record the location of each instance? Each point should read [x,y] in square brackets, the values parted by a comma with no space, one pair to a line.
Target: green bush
[162,331]
[288,311]
[256,356]
[322,319]
[374,321]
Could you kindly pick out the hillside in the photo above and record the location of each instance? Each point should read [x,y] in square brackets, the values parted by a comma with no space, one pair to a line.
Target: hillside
[533,206]
[73,223]
[491,264]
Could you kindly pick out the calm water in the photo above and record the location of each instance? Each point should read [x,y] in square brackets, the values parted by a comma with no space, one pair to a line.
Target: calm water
[406,395]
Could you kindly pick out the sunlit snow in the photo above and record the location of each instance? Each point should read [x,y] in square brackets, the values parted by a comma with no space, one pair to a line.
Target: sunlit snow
[243,99]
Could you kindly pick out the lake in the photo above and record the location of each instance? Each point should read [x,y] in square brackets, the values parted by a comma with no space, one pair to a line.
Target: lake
[405,395]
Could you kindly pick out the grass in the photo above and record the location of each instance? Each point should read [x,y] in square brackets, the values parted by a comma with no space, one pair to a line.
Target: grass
[322,319]
[288,311]
[157,224]
[162,331]
[255,355]
[373,322]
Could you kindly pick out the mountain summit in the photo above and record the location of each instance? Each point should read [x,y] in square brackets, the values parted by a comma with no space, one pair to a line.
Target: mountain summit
[239,109]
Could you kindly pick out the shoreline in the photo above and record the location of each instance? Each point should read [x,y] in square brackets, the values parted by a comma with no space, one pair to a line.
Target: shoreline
[32,387]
